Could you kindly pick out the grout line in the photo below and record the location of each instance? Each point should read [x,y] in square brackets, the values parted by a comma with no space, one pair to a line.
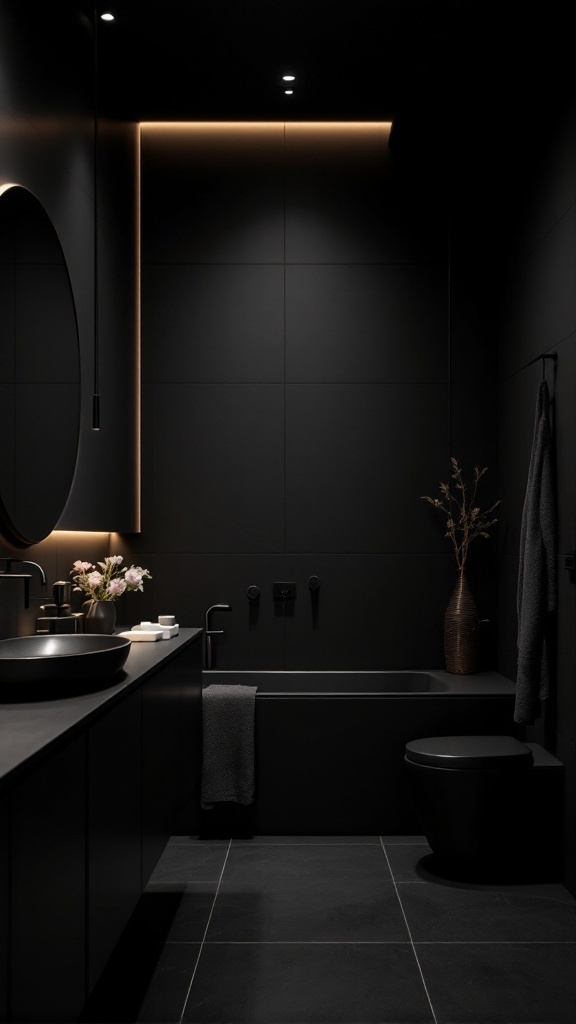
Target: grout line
[372,942]
[187,996]
[410,935]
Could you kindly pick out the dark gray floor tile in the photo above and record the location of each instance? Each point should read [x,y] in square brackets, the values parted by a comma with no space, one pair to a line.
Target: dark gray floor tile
[196,842]
[314,841]
[367,911]
[316,984]
[167,990]
[443,913]
[404,859]
[403,840]
[168,913]
[301,870]
[526,983]
[144,982]
[187,863]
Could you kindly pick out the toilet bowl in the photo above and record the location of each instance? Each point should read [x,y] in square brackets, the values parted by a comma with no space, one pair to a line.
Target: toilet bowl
[488,805]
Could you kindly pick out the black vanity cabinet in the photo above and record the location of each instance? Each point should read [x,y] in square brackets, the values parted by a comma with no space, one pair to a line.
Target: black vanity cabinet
[85,819]
[47,916]
[171,744]
[114,828]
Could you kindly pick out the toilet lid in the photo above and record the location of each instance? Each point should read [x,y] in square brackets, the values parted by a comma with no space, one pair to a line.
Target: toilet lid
[470,752]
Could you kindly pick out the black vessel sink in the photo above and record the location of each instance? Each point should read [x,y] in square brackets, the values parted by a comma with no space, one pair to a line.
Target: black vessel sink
[33,667]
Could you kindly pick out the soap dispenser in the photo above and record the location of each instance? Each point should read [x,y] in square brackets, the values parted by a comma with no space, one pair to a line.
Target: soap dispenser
[57,615]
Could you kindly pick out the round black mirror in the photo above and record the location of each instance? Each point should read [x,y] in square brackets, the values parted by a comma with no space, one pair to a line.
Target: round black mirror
[39,371]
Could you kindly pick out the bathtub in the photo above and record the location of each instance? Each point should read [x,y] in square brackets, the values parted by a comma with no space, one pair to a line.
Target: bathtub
[329,745]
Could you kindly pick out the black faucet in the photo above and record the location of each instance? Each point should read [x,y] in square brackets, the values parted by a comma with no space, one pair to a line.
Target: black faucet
[7,574]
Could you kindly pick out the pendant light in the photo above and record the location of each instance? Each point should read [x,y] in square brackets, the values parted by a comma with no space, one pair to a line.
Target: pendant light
[96,368]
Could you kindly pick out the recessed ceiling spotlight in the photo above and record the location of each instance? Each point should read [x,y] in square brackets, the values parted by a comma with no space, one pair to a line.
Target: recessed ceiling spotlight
[288,78]
[107,16]
[288,92]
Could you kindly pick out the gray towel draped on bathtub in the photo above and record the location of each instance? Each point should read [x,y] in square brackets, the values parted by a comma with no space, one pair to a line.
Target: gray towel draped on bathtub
[228,744]
[536,594]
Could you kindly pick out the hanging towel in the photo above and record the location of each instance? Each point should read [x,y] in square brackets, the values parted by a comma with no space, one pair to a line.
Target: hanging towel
[227,744]
[536,596]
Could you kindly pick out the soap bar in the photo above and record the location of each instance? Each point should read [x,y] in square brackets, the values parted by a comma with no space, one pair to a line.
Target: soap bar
[143,634]
[169,631]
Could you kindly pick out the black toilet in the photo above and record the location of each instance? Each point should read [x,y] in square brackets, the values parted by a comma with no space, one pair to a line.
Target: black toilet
[489,806]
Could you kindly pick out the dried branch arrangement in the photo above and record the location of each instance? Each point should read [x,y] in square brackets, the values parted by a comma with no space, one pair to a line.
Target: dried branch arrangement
[465,520]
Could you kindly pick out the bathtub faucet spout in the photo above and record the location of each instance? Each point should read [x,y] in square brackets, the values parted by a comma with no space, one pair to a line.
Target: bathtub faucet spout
[209,633]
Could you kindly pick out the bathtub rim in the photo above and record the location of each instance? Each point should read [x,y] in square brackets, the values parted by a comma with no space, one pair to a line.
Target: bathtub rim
[478,685]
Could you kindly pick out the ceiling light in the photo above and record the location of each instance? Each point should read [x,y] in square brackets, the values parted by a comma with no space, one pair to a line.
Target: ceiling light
[288,78]
[288,92]
[107,16]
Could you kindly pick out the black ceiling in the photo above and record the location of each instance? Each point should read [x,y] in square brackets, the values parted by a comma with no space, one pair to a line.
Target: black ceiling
[198,59]
[440,69]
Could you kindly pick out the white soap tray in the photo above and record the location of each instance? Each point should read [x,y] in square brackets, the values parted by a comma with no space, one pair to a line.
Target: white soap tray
[143,635]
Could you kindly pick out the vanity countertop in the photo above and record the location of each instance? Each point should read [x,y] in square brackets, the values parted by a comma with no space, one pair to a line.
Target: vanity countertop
[28,729]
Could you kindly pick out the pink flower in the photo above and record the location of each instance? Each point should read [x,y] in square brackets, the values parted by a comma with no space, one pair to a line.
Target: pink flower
[109,581]
[116,587]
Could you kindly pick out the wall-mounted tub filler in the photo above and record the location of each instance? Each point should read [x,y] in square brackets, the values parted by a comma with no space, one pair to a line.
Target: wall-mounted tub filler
[209,633]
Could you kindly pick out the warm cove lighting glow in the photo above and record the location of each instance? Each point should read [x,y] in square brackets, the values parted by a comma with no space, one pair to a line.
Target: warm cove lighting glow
[229,126]
[83,534]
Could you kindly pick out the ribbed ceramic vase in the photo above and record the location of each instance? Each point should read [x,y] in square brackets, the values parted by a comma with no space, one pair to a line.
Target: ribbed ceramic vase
[461,629]
[100,616]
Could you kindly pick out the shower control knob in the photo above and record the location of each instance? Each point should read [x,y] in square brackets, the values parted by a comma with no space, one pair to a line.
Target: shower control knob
[314,583]
[253,593]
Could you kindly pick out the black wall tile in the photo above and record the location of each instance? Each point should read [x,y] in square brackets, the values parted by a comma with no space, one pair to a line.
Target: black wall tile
[343,204]
[540,309]
[214,323]
[186,585]
[366,323]
[214,195]
[370,612]
[218,467]
[358,458]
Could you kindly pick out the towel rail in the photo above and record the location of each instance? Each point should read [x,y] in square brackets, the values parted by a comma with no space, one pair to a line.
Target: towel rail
[543,356]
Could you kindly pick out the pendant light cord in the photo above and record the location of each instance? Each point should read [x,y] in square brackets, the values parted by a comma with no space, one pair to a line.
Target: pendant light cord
[96,381]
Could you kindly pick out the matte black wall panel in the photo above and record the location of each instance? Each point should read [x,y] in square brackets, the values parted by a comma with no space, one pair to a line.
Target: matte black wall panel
[213,194]
[538,314]
[218,470]
[366,323]
[297,255]
[380,611]
[344,204]
[358,457]
[217,323]
[185,585]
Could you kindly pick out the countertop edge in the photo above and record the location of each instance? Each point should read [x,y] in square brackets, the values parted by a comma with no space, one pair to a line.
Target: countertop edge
[30,731]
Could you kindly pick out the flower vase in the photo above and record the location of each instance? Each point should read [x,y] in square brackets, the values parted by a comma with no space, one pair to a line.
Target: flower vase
[461,629]
[100,616]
